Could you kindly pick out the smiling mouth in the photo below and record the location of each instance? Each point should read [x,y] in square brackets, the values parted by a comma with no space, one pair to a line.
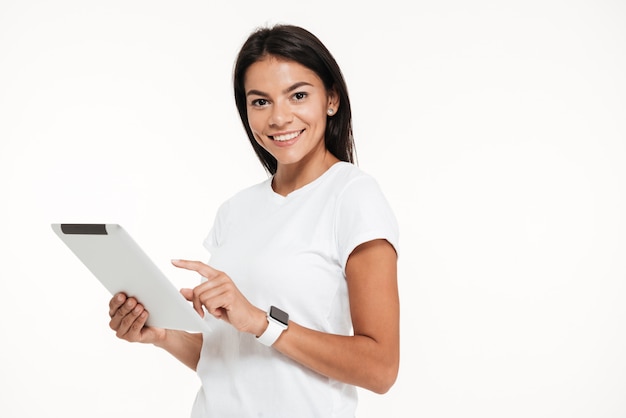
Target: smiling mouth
[285,137]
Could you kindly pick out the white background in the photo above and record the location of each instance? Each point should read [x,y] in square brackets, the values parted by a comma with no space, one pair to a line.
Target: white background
[496,129]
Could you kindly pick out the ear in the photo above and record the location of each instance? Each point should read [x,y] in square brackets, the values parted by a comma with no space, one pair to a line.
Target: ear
[333,100]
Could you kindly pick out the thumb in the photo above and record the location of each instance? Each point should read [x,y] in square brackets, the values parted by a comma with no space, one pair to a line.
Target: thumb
[187,294]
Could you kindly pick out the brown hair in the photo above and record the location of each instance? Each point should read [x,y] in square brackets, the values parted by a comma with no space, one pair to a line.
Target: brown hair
[297,44]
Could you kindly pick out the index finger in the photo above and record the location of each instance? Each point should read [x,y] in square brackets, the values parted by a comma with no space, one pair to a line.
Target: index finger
[197,266]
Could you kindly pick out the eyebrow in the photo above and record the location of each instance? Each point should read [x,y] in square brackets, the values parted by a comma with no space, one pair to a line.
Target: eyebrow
[287,90]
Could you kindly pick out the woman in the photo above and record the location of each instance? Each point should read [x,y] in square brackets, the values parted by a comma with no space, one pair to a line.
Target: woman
[302,276]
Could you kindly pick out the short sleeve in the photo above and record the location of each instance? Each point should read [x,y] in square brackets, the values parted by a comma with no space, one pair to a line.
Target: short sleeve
[214,238]
[363,214]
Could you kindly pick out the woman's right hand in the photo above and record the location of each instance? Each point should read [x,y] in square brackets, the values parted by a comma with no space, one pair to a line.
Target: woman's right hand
[128,320]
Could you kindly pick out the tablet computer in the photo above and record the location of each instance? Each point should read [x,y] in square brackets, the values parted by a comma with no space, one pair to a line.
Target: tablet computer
[118,262]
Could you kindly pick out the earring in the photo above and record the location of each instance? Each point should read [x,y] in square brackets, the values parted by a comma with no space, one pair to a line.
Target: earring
[330,112]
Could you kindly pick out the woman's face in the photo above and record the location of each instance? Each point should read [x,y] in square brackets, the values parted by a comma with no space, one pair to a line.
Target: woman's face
[287,106]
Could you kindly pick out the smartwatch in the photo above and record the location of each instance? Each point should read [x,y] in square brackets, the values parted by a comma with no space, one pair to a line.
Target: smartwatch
[277,322]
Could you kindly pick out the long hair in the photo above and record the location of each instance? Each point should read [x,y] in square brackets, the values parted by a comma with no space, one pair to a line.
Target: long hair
[296,44]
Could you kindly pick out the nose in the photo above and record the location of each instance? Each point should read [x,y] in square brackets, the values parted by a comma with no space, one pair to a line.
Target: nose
[280,114]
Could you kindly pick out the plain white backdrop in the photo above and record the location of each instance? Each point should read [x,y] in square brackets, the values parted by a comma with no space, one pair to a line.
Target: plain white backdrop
[496,129]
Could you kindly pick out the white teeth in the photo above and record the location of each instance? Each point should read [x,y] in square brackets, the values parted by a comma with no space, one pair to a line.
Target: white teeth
[286,137]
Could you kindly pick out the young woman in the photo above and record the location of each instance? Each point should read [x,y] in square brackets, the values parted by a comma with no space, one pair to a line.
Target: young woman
[302,276]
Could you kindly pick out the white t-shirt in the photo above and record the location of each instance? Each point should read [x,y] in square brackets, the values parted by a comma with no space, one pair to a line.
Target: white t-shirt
[290,252]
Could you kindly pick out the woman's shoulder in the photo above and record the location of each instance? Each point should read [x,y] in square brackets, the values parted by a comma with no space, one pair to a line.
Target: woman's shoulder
[348,175]
[245,197]
[250,192]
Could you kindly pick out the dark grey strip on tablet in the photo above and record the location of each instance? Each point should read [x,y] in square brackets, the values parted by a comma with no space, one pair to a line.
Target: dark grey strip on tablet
[84,229]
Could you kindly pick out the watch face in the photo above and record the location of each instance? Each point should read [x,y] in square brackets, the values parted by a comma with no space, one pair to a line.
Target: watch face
[279,315]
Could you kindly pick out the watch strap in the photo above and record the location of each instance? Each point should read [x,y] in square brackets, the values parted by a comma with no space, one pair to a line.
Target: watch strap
[272,332]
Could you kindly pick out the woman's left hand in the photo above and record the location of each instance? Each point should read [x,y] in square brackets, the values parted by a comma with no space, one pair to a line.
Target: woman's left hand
[222,299]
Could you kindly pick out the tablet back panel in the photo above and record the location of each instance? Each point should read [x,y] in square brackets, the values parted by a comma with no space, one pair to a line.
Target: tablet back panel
[111,254]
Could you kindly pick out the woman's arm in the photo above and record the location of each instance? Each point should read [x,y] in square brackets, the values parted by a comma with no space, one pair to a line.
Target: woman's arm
[369,359]
[128,320]
[182,345]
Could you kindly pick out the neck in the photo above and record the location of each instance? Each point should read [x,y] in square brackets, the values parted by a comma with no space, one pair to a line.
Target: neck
[290,177]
